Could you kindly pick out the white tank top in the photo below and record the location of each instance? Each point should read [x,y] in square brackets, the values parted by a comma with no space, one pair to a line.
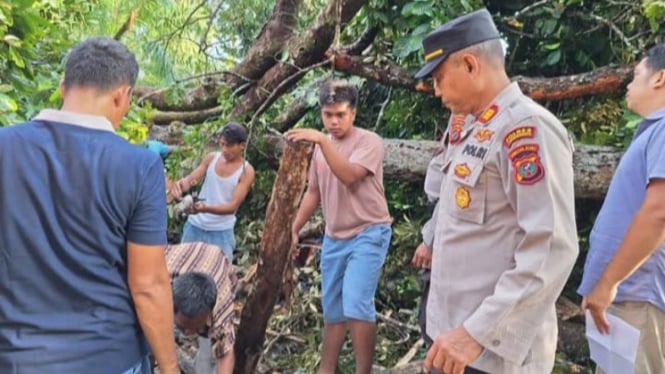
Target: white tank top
[217,191]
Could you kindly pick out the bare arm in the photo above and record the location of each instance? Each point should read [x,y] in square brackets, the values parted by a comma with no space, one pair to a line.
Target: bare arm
[307,207]
[239,194]
[150,287]
[347,172]
[226,363]
[182,185]
[645,234]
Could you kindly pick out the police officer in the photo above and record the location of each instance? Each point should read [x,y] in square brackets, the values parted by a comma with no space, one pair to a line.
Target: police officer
[505,239]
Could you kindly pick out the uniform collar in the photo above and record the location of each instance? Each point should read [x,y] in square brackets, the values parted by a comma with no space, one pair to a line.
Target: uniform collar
[501,101]
[79,119]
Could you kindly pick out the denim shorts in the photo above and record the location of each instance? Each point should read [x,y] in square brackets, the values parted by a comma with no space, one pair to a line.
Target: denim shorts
[350,270]
[225,239]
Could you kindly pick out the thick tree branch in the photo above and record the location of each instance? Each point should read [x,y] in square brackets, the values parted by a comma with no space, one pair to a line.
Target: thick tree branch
[271,40]
[600,81]
[193,117]
[259,58]
[365,40]
[307,49]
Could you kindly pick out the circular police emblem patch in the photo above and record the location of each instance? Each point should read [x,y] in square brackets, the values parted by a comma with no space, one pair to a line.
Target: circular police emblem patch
[528,170]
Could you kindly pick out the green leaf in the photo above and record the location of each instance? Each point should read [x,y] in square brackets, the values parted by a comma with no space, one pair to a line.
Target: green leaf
[553,58]
[417,8]
[16,58]
[407,45]
[7,104]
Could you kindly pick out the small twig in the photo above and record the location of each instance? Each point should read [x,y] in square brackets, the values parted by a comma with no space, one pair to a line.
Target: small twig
[291,337]
[205,34]
[397,323]
[182,27]
[383,109]
[410,354]
[128,24]
[613,27]
[529,8]
[193,77]
[285,82]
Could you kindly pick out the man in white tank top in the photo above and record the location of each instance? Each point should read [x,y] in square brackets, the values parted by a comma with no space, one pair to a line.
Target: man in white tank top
[227,179]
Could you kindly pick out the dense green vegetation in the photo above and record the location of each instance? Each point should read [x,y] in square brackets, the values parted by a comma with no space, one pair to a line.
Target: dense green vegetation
[182,44]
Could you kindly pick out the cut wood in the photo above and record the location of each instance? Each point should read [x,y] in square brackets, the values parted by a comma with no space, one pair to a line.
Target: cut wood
[275,252]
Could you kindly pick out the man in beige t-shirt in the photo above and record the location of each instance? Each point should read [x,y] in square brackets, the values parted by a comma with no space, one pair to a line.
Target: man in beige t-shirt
[346,177]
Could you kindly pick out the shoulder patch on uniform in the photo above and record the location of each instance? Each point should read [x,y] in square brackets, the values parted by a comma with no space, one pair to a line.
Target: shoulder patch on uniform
[483,135]
[456,128]
[519,133]
[527,165]
[457,120]
[488,114]
[522,150]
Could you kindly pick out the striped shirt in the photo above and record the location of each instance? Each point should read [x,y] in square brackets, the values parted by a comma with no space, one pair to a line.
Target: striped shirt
[209,259]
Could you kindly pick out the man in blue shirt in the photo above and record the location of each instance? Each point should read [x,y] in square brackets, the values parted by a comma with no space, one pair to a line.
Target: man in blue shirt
[83,278]
[624,272]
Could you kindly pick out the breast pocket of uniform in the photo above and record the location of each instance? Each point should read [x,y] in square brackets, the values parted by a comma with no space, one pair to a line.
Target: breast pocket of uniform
[468,191]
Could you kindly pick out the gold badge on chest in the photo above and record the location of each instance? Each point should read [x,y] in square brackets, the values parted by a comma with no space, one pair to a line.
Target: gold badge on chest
[462,197]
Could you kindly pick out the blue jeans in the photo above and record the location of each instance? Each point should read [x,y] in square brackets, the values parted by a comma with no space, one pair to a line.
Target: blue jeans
[224,239]
[142,367]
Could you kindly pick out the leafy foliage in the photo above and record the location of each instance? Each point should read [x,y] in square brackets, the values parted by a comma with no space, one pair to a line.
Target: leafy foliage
[176,40]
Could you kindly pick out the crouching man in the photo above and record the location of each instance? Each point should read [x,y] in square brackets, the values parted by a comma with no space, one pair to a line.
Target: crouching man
[203,292]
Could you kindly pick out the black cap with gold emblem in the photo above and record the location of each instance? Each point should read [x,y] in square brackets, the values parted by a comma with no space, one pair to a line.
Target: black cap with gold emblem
[462,32]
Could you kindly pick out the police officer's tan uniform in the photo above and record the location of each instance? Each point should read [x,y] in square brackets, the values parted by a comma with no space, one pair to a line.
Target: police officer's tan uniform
[505,238]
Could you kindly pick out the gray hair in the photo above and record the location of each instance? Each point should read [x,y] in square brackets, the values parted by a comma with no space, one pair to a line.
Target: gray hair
[102,63]
[194,294]
[338,91]
[492,50]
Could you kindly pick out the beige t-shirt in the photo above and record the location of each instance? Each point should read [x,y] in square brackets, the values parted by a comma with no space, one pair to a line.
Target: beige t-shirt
[349,210]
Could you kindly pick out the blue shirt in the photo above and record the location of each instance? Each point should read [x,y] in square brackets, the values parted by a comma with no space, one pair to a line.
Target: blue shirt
[643,161]
[72,194]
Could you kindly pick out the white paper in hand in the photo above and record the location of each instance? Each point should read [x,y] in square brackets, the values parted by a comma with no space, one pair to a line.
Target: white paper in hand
[615,353]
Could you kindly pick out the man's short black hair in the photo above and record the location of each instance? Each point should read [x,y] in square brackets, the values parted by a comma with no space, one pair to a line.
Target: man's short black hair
[338,91]
[234,133]
[194,294]
[102,63]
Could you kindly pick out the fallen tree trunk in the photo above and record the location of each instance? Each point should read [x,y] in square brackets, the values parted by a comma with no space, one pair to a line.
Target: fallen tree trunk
[275,252]
[407,160]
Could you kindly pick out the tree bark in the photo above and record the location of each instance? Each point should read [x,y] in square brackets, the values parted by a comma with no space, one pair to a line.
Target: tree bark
[259,58]
[263,53]
[600,81]
[594,166]
[306,50]
[275,252]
